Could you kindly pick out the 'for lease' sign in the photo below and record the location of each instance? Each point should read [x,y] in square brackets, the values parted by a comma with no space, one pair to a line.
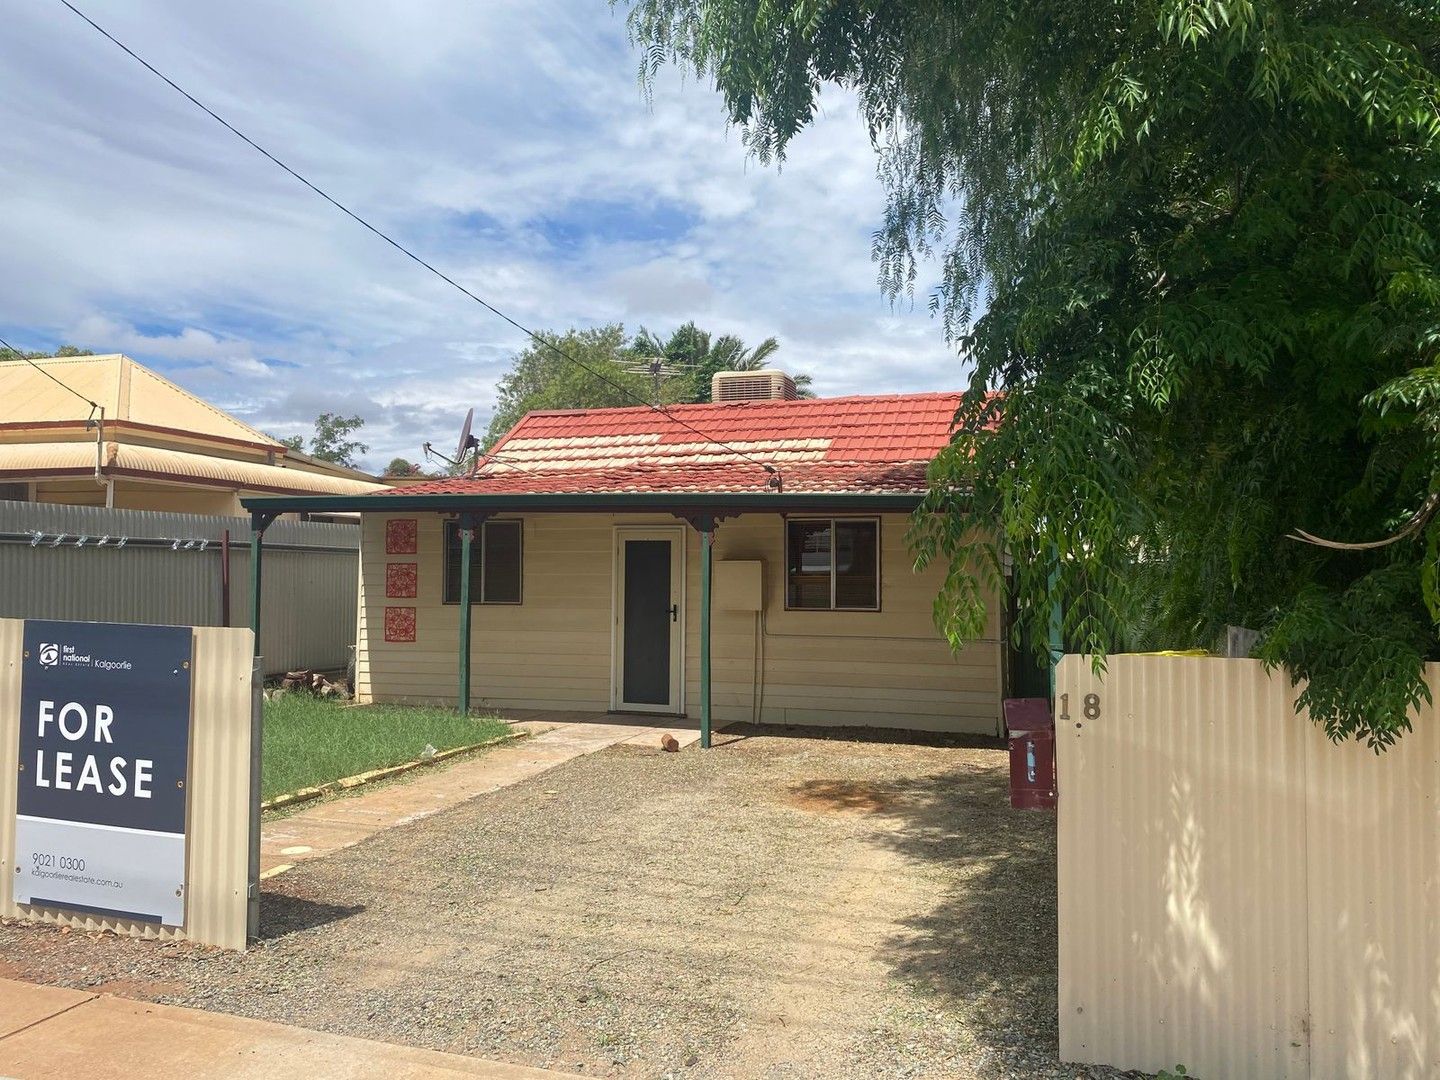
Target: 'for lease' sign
[104,758]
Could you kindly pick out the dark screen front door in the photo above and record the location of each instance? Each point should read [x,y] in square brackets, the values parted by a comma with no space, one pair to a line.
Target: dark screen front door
[645,676]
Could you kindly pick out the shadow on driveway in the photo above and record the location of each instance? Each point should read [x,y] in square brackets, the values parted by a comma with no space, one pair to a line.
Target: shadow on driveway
[989,950]
[281,915]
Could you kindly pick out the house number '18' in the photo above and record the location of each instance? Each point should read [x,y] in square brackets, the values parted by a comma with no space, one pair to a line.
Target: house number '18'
[1090,702]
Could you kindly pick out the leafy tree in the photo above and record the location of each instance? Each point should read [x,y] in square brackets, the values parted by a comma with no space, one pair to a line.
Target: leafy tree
[331,441]
[540,378]
[704,355]
[401,467]
[1194,243]
[25,354]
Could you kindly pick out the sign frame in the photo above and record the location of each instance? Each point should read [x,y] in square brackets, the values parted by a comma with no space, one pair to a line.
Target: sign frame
[222,823]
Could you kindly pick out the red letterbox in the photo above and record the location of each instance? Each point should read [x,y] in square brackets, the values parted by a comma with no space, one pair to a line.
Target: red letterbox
[1032,753]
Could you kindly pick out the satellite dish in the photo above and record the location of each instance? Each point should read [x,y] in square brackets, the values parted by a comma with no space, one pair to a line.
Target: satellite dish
[467,443]
[466,439]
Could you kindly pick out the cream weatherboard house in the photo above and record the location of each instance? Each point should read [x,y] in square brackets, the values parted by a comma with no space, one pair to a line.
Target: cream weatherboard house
[737,561]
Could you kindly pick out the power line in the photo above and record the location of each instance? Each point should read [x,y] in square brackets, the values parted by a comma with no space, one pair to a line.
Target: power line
[539,339]
[21,356]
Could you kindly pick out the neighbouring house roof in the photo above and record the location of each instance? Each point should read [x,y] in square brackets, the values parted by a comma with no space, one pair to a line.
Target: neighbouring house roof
[127,391]
[153,429]
[26,460]
[849,445]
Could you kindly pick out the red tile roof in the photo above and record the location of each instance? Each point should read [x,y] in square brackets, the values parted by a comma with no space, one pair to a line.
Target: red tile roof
[851,444]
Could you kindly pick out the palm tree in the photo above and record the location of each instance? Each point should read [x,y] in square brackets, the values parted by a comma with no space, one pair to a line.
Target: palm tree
[695,350]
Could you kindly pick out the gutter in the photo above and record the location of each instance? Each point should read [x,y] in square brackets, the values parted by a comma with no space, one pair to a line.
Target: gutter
[599,502]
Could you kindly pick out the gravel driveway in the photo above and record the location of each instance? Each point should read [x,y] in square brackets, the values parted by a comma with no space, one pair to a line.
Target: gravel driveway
[786,905]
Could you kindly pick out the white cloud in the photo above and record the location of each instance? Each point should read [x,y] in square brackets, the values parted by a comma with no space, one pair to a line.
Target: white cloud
[508,142]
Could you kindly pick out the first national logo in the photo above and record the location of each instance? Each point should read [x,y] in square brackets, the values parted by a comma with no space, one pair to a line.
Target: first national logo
[49,654]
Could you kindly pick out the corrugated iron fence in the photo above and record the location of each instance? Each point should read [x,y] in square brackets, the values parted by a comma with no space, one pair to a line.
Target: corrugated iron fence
[1237,894]
[90,563]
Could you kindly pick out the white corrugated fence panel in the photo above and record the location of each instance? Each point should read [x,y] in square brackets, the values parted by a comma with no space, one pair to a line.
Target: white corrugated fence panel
[1236,893]
[1375,905]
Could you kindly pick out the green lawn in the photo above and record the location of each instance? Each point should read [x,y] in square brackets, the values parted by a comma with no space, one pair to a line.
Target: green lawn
[311,740]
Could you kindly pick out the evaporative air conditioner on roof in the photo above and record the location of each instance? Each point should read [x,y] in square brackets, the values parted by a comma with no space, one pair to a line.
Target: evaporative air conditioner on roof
[767,385]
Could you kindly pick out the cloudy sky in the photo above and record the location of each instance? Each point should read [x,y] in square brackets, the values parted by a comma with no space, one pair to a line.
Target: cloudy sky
[505,140]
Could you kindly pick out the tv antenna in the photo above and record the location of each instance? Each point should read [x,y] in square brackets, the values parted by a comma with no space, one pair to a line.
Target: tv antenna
[467,443]
[659,369]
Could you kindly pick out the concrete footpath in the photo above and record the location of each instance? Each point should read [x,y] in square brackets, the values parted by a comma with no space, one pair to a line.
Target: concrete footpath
[554,739]
[47,1032]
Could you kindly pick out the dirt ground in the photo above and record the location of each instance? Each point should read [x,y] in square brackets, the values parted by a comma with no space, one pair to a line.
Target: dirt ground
[787,905]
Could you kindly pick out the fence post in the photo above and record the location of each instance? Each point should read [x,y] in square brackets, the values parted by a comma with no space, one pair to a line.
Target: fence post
[257,746]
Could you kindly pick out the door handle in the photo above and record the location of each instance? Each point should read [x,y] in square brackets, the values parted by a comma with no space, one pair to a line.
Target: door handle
[674,612]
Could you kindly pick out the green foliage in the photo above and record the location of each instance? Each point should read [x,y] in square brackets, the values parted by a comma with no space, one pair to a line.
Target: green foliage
[401,467]
[23,354]
[539,378]
[331,441]
[1196,245]
[701,356]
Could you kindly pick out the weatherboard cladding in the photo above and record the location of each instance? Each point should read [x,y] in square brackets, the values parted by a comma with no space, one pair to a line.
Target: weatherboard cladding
[874,444]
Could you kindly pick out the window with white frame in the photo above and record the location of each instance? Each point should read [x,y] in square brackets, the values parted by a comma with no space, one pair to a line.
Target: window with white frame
[832,564]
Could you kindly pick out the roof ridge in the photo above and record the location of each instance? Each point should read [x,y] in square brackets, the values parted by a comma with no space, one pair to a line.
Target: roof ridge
[123,373]
[126,367]
[261,437]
